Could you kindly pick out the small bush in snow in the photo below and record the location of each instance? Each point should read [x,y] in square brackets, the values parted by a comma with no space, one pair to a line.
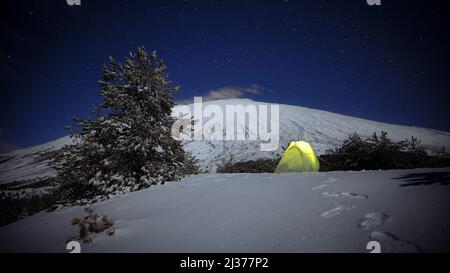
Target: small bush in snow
[92,224]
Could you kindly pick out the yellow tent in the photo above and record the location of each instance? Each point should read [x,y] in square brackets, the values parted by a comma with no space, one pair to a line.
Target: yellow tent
[299,157]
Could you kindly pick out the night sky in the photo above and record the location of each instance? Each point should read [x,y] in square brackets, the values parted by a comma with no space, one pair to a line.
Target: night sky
[388,63]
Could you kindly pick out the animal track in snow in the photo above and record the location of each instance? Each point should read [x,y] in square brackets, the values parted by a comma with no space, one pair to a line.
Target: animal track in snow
[344,195]
[373,220]
[390,243]
[337,210]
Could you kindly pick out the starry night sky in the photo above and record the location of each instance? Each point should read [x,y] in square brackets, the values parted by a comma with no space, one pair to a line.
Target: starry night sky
[388,63]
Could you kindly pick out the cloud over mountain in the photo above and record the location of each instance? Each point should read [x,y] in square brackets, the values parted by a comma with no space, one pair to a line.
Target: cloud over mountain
[228,92]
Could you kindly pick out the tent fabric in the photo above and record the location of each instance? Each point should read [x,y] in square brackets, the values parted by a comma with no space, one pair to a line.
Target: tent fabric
[299,157]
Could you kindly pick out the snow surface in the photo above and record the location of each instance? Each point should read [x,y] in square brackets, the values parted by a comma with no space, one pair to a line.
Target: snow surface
[404,210]
[324,130]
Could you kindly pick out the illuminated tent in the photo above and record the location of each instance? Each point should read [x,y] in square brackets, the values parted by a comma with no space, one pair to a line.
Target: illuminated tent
[298,157]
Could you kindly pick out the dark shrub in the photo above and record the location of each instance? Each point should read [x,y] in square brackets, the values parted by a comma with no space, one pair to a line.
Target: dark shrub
[255,166]
[379,152]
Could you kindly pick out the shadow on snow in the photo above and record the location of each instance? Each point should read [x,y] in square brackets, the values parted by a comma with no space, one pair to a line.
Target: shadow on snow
[425,179]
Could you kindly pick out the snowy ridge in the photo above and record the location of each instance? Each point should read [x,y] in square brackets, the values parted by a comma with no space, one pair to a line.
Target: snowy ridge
[324,130]
[24,164]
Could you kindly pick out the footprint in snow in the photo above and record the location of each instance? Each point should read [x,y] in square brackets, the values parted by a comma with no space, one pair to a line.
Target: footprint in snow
[391,244]
[331,180]
[327,182]
[337,210]
[344,195]
[319,187]
[373,220]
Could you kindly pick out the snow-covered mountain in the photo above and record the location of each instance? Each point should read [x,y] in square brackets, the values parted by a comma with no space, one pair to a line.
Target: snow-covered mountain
[324,130]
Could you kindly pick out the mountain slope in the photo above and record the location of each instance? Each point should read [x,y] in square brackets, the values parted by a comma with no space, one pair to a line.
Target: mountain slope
[324,130]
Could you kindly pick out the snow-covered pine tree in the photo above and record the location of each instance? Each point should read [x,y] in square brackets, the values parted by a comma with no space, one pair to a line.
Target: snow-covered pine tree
[127,145]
